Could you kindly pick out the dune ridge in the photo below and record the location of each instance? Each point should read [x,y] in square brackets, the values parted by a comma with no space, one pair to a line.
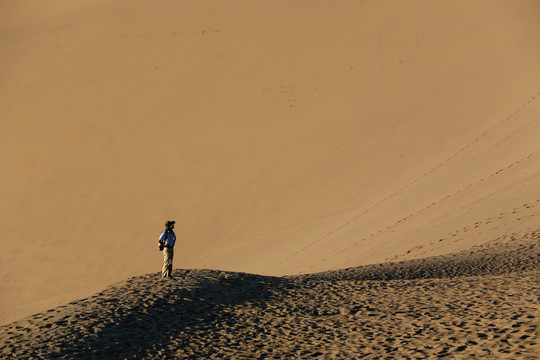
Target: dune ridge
[474,304]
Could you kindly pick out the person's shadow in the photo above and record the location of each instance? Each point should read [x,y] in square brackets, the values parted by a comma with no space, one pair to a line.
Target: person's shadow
[144,320]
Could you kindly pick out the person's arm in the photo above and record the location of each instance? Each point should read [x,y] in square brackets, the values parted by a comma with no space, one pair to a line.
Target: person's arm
[162,238]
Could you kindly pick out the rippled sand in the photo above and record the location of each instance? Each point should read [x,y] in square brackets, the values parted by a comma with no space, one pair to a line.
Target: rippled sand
[481,303]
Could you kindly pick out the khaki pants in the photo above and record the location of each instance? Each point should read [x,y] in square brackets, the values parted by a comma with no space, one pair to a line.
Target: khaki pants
[168,254]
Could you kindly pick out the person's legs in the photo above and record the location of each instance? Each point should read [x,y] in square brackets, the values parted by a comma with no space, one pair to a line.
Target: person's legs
[167,262]
[171,255]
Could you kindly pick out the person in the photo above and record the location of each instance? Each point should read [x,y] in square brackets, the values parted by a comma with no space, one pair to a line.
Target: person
[166,242]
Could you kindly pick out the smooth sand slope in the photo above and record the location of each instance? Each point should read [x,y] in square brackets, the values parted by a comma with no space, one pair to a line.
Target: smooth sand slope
[480,304]
[284,137]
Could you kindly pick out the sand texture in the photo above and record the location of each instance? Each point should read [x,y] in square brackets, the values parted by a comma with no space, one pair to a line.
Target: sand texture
[480,304]
[285,137]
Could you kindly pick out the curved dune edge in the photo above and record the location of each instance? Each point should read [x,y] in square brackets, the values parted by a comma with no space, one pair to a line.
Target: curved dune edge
[476,303]
[497,257]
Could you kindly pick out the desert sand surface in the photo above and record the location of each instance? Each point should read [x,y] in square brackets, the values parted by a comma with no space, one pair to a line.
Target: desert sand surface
[284,137]
[480,304]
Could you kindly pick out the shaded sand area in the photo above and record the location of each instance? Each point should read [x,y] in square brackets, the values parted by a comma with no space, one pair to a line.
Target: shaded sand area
[481,303]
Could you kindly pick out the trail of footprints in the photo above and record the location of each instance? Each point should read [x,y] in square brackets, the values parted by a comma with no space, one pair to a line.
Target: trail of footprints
[510,116]
[392,311]
[426,208]
[516,214]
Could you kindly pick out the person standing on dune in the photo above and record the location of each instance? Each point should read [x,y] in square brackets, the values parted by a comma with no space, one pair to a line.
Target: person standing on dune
[166,243]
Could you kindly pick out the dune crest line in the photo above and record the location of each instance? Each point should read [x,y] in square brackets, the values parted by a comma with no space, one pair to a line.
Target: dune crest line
[481,301]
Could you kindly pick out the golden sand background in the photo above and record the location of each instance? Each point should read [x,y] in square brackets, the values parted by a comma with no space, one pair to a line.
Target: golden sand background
[284,137]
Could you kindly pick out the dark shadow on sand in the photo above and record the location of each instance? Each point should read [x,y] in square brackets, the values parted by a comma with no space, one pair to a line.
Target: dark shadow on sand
[146,324]
[520,257]
[147,317]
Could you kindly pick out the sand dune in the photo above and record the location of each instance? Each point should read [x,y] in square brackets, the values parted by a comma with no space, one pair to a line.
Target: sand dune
[476,304]
[284,138]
